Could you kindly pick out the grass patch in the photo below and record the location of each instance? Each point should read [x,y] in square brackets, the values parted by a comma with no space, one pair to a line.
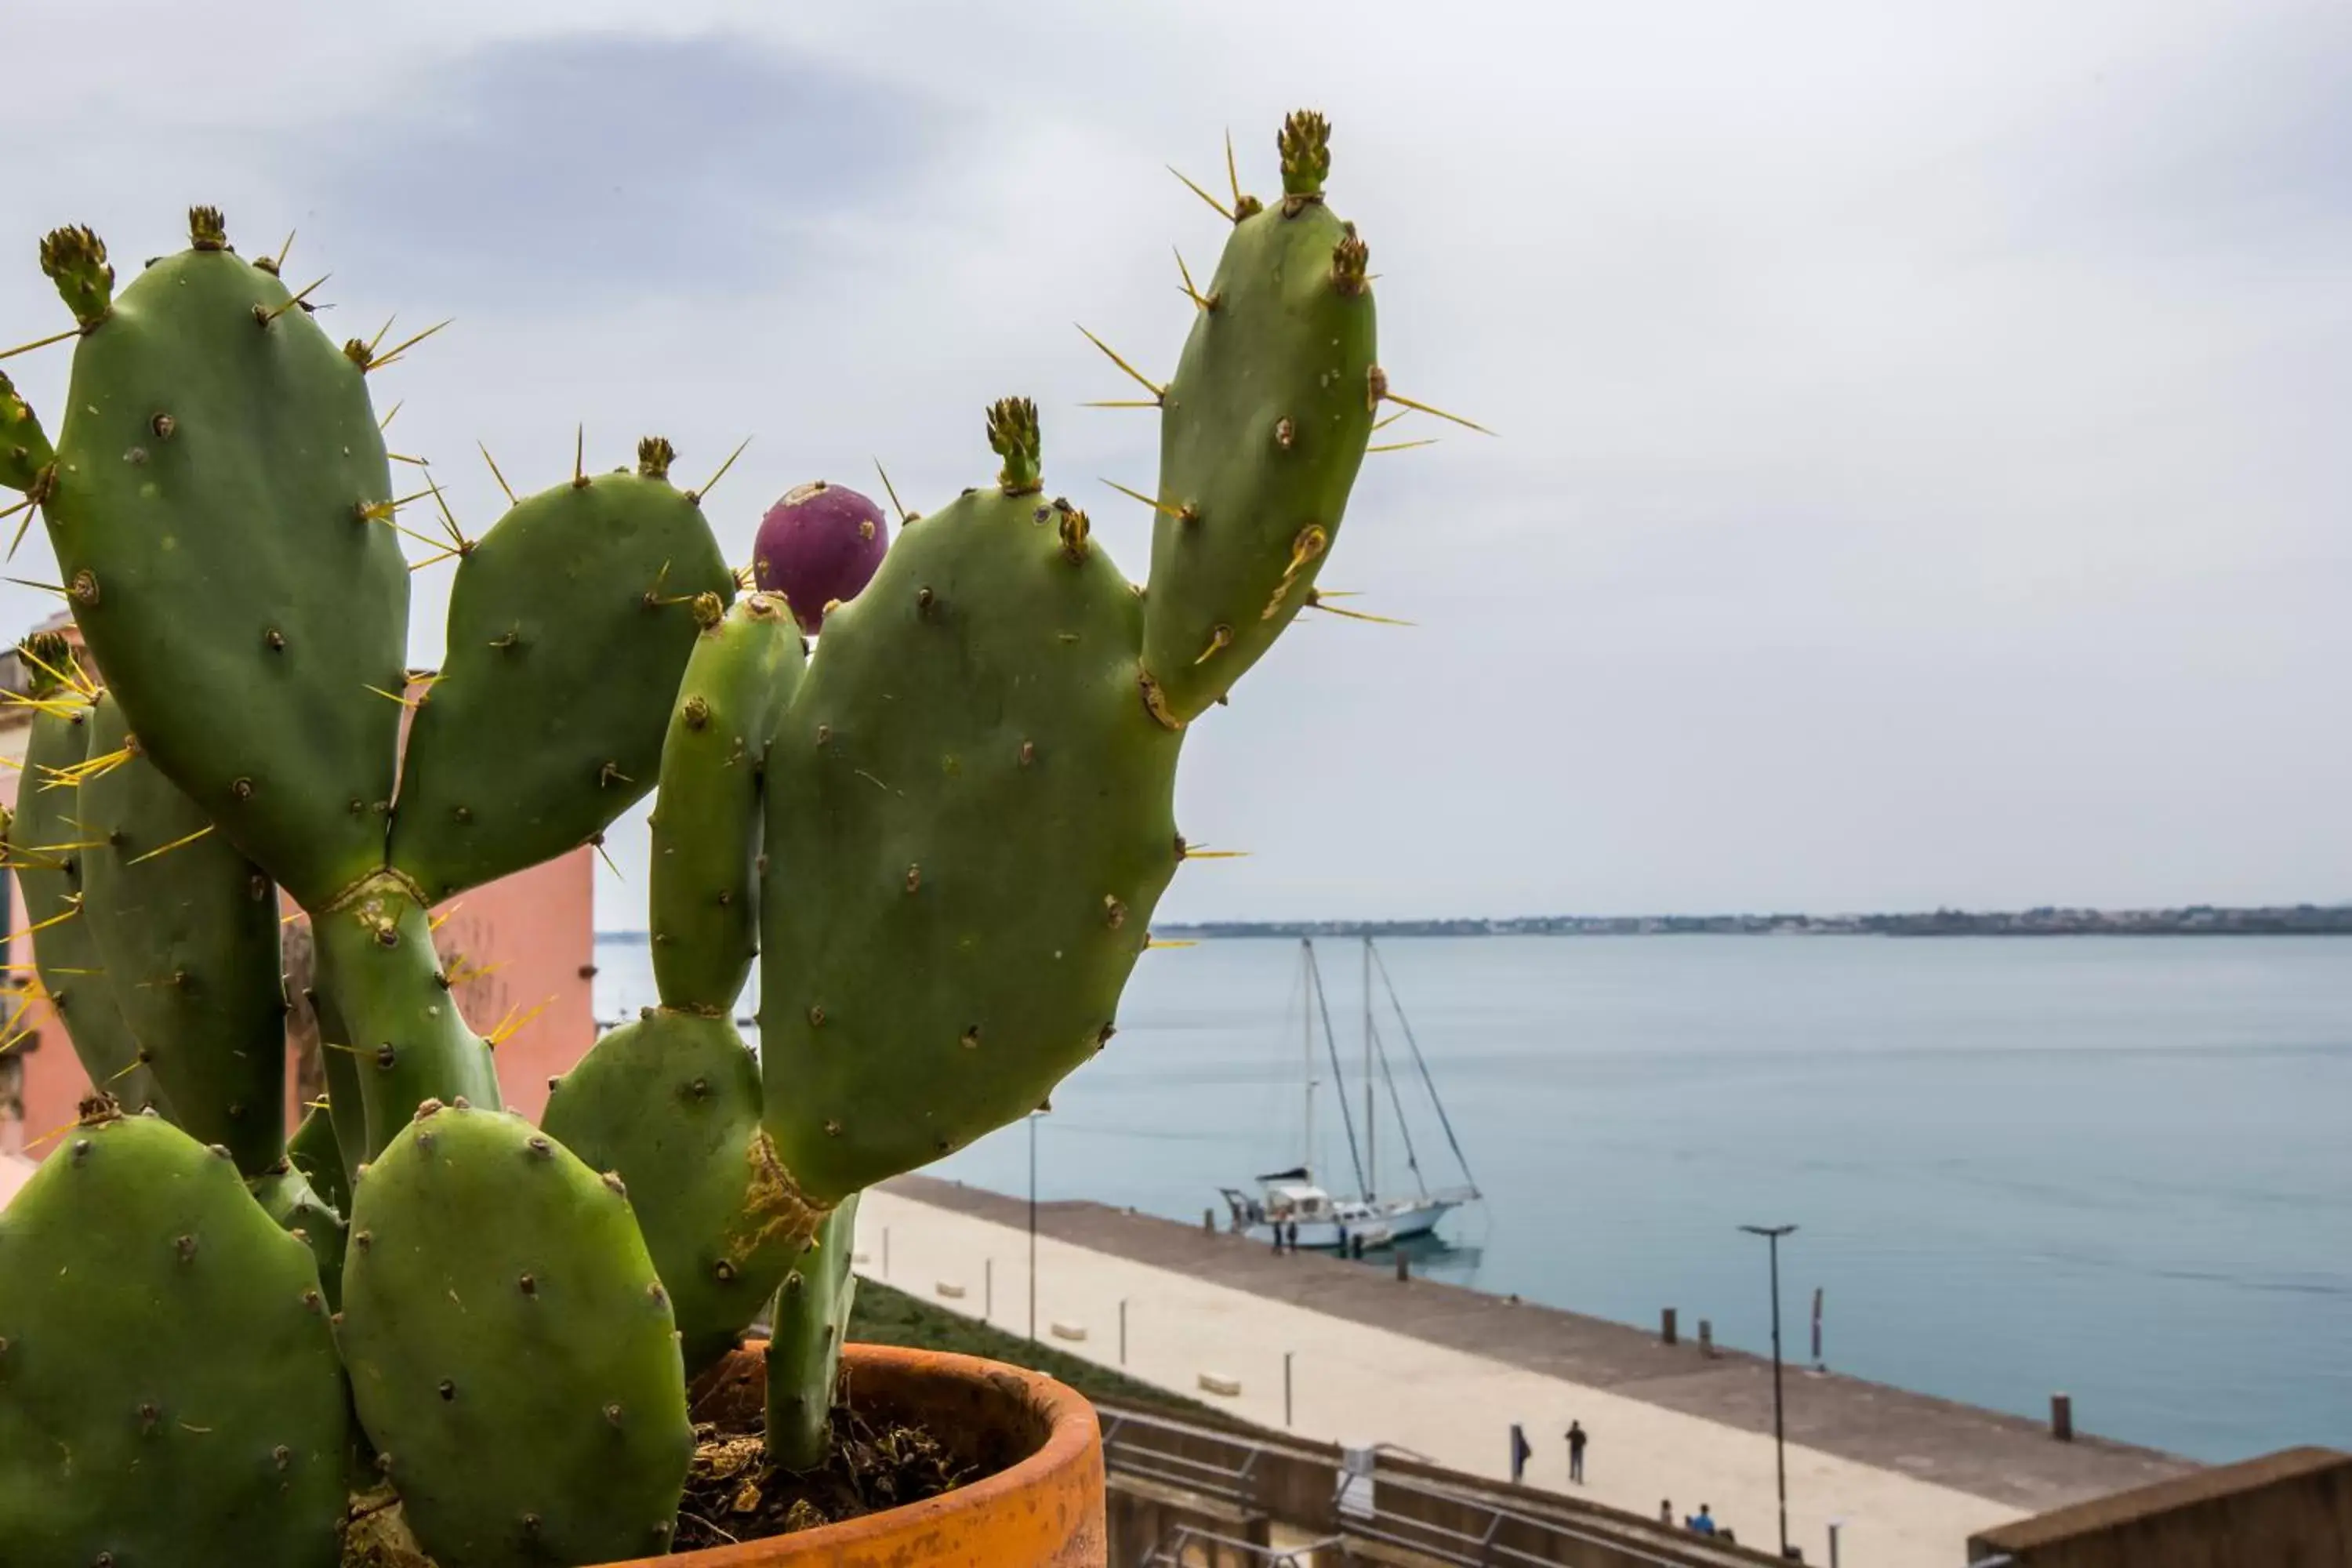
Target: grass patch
[883,1316]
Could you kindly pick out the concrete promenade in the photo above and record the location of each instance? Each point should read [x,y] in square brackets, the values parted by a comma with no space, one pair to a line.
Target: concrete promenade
[1442,1372]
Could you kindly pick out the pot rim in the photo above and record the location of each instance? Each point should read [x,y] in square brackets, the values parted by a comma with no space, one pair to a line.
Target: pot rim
[1073,1443]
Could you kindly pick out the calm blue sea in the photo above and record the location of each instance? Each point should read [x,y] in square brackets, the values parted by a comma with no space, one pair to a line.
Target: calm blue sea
[2117,1167]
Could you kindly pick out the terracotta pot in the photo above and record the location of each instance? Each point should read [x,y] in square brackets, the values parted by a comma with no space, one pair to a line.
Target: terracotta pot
[1042,1508]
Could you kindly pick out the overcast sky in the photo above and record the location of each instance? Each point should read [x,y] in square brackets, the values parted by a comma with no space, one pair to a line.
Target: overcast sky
[1923,463]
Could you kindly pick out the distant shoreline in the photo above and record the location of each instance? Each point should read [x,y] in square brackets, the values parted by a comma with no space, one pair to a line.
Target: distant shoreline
[2190,921]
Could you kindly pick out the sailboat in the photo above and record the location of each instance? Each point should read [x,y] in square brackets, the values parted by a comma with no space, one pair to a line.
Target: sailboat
[1293,1197]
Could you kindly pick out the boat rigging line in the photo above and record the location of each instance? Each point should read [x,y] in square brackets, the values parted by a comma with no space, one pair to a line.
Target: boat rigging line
[1378,1050]
[1423,1063]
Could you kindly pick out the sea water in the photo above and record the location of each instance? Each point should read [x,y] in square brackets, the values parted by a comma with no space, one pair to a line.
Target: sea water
[2116,1167]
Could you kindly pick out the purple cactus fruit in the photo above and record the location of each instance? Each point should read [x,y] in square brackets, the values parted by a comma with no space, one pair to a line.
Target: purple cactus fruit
[820,545]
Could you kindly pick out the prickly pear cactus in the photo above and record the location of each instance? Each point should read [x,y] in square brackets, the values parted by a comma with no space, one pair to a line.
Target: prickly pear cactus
[512,1354]
[671,1104]
[186,928]
[315,1155]
[1262,429]
[570,624]
[969,820]
[706,823]
[408,1041]
[169,1390]
[218,505]
[951,830]
[25,450]
[805,1354]
[346,1102]
[285,1195]
[47,847]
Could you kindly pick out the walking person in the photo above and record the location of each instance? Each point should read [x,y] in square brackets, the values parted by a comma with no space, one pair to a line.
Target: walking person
[1576,1437]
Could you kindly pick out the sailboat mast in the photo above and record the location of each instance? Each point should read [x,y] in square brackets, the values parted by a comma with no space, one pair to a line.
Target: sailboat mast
[1307,1020]
[1371,1128]
[1339,1076]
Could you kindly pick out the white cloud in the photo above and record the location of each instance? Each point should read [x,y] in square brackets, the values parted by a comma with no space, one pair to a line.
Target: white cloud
[1919,481]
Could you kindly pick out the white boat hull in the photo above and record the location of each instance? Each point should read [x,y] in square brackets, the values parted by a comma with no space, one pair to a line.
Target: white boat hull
[1382,1229]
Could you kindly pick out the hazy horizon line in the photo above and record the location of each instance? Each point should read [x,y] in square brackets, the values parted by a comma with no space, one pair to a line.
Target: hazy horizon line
[2306,904]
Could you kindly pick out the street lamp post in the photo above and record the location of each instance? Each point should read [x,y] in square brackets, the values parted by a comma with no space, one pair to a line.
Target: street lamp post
[1772,1234]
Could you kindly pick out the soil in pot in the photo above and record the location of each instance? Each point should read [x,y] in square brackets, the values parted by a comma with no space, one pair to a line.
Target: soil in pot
[732,1494]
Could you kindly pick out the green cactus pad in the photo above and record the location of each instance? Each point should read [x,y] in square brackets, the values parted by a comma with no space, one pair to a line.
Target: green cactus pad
[804,1353]
[285,1195]
[169,1388]
[187,929]
[218,518]
[315,1154]
[705,822]
[670,1104]
[969,820]
[46,847]
[25,450]
[570,624]
[392,999]
[338,1063]
[74,260]
[1262,430]
[511,1351]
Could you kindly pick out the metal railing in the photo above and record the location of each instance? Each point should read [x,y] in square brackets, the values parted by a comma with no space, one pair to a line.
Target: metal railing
[1172,1551]
[1479,1546]
[1459,1524]
[1228,1482]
